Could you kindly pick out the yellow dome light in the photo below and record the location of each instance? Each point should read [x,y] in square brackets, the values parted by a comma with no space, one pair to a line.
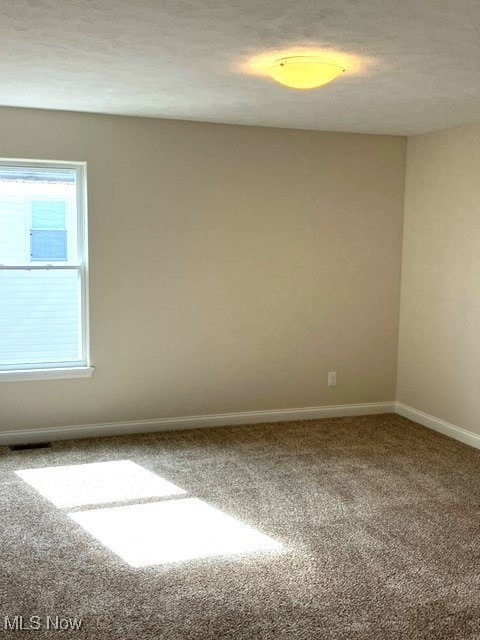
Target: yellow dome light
[304,72]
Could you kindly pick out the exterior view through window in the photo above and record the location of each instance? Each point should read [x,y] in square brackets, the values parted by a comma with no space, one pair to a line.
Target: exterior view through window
[43,278]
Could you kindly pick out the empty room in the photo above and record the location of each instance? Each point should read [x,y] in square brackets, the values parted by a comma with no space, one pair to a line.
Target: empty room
[240,319]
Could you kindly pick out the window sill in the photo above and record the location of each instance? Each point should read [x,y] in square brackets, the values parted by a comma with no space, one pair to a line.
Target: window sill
[16,375]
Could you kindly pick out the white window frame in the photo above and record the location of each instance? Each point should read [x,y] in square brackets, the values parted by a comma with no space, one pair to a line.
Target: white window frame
[81,368]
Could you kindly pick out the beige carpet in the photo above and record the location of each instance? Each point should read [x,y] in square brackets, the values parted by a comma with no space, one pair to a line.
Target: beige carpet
[378,519]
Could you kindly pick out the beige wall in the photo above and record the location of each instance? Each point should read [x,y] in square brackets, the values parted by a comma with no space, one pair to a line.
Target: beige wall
[439,352]
[231,267]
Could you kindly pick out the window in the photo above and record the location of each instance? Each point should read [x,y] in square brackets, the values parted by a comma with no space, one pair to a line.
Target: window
[48,235]
[43,270]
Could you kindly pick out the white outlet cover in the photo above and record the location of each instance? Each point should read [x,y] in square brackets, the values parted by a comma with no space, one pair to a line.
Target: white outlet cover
[332,378]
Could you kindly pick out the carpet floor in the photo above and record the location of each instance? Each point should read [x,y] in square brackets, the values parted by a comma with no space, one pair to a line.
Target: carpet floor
[358,528]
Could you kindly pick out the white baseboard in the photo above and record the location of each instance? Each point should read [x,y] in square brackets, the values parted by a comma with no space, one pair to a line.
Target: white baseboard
[192,422]
[467,437]
[244,417]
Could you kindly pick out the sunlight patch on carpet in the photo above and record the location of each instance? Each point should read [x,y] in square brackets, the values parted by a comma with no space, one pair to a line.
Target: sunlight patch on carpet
[171,531]
[97,483]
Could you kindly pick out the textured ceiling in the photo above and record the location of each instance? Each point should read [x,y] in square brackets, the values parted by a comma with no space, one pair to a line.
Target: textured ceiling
[412,65]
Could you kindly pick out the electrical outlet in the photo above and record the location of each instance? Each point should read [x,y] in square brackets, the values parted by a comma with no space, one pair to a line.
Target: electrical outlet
[332,378]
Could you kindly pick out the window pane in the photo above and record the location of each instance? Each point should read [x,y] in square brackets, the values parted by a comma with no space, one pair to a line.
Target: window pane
[48,246]
[36,198]
[48,214]
[39,314]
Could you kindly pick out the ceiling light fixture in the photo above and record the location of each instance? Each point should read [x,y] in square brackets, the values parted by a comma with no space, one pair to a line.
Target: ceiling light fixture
[304,72]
